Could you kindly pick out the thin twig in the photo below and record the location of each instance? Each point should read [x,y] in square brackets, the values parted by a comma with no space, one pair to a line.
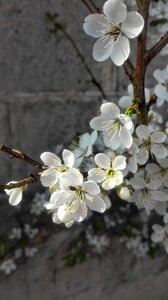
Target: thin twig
[91,6]
[128,68]
[22,156]
[155,50]
[21,183]
[152,101]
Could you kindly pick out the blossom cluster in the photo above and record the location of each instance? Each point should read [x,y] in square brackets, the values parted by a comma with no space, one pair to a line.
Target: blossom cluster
[119,154]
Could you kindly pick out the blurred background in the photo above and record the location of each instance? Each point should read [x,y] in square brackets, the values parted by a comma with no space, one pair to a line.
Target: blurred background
[50,88]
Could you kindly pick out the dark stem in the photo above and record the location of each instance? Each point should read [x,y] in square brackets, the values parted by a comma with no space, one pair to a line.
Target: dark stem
[91,6]
[22,156]
[155,50]
[140,68]
[21,183]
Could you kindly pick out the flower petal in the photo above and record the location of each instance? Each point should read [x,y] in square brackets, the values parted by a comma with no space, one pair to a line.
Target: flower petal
[68,158]
[50,159]
[143,132]
[96,203]
[96,175]
[126,138]
[125,101]
[158,137]
[98,123]
[115,10]
[137,183]
[95,25]
[91,187]
[120,51]
[119,162]
[110,110]
[15,197]
[102,49]
[159,150]
[102,161]
[133,24]
[49,177]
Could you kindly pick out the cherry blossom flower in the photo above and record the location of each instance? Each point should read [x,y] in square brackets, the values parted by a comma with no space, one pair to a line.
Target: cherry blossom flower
[159,10]
[117,128]
[86,142]
[56,169]
[75,196]
[160,235]
[109,29]
[161,89]
[15,195]
[108,172]
[8,266]
[150,143]
[159,171]
[148,193]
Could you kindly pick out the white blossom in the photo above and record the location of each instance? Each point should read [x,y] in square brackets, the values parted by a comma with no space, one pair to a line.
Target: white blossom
[160,235]
[15,195]
[161,89]
[56,169]
[113,28]
[8,266]
[85,148]
[149,193]
[75,196]
[150,143]
[117,128]
[108,172]
[16,233]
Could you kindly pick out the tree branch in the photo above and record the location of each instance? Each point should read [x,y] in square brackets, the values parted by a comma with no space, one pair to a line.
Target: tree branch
[20,155]
[91,6]
[21,183]
[155,50]
[128,68]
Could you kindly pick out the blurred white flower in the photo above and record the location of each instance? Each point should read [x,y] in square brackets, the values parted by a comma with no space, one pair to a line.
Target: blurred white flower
[161,89]
[8,266]
[150,143]
[117,128]
[109,29]
[30,251]
[160,235]
[16,233]
[86,142]
[108,172]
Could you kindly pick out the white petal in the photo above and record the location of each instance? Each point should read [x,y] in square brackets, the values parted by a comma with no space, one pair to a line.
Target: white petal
[96,203]
[159,196]
[154,184]
[110,110]
[158,137]
[119,162]
[127,122]
[49,177]
[102,49]
[152,168]
[72,178]
[55,219]
[91,187]
[98,123]
[59,198]
[81,212]
[64,214]
[102,161]
[137,183]
[118,178]
[160,207]
[160,76]
[161,92]
[143,132]
[15,197]
[159,150]
[142,156]
[95,24]
[126,138]
[50,159]
[108,184]
[120,51]
[132,164]
[68,158]
[133,24]
[125,101]
[115,11]
[96,175]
